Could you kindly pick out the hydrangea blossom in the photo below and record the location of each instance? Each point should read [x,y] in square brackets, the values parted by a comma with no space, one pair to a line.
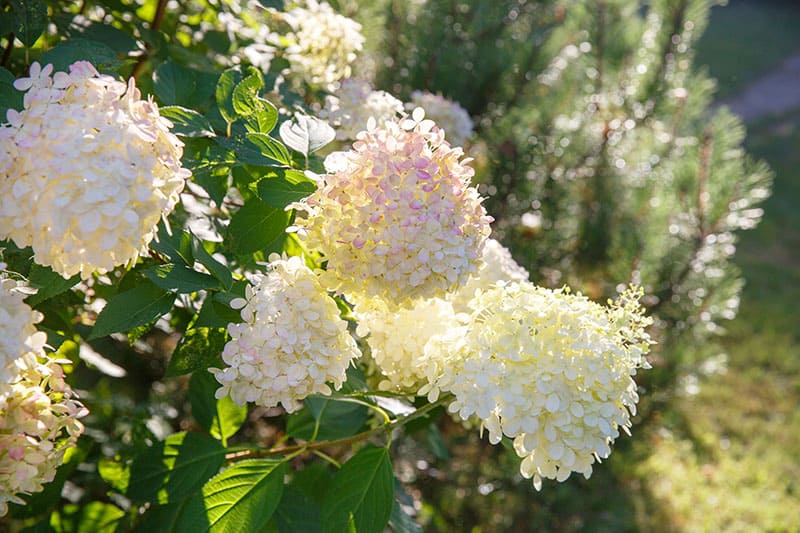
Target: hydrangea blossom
[87,170]
[447,114]
[38,423]
[18,333]
[323,44]
[397,338]
[547,368]
[498,265]
[396,217]
[354,103]
[292,340]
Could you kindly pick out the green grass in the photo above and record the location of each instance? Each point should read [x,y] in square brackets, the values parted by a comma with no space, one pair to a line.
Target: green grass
[746,39]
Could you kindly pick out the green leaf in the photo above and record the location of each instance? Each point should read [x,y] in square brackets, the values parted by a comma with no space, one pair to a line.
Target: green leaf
[30,20]
[199,349]
[187,122]
[306,134]
[177,246]
[244,497]
[283,187]
[10,98]
[400,521]
[222,418]
[115,473]
[362,492]
[68,52]
[246,152]
[97,517]
[135,307]
[337,419]
[184,516]
[245,93]
[297,512]
[270,147]
[255,226]
[217,269]
[116,39]
[216,314]
[48,282]
[180,278]
[178,85]
[224,93]
[171,470]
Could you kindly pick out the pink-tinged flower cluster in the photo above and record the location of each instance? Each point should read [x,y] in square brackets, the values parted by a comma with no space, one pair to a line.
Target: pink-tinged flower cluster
[447,114]
[396,217]
[547,368]
[323,44]
[87,170]
[354,103]
[291,343]
[18,333]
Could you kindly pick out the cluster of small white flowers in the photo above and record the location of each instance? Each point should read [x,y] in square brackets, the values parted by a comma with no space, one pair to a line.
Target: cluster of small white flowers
[447,114]
[396,217]
[260,50]
[18,332]
[353,105]
[38,423]
[498,265]
[87,170]
[397,338]
[323,44]
[292,340]
[549,369]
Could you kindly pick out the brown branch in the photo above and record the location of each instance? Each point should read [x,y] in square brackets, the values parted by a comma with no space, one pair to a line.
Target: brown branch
[158,18]
[7,51]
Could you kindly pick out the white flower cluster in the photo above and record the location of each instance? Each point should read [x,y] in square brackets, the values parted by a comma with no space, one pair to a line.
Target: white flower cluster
[323,44]
[354,104]
[549,369]
[396,217]
[38,415]
[292,340]
[87,169]
[447,114]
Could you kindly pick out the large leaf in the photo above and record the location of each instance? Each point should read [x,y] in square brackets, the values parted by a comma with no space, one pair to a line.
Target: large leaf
[244,497]
[30,20]
[400,521]
[337,419]
[222,418]
[187,122]
[362,493]
[68,52]
[199,349]
[245,94]
[136,307]
[217,313]
[116,39]
[97,517]
[177,246]
[247,152]
[297,512]
[48,283]
[224,93]
[180,278]
[178,85]
[255,226]
[270,147]
[183,516]
[282,187]
[171,470]
[217,269]
[306,134]
[10,98]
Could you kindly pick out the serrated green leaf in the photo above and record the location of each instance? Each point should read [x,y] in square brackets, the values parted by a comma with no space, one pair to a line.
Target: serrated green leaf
[30,20]
[68,52]
[217,269]
[245,93]
[255,226]
[199,349]
[362,492]
[283,186]
[180,278]
[221,418]
[172,470]
[48,283]
[306,134]
[272,148]
[337,419]
[224,93]
[244,497]
[187,122]
[135,307]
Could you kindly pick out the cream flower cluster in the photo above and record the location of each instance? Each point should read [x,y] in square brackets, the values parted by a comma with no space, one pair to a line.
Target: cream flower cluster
[447,114]
[397,338]
[396,217]
[88,169]
[547,368]
[323,44]
[292,340]
[497,265]
[18,333]
[353,105]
